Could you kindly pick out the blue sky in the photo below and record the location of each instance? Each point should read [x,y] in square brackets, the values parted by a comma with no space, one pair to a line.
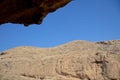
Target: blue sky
[91,20]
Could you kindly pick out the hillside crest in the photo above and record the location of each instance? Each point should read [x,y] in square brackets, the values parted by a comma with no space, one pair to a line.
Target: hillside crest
[76,60]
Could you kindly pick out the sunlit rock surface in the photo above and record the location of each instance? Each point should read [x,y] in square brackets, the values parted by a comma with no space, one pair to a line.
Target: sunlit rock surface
[77,60]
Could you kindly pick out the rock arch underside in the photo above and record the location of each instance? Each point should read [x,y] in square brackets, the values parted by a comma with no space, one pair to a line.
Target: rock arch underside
[28,11]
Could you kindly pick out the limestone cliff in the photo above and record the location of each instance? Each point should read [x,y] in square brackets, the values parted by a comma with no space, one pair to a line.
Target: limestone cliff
[28,11]
[77,60]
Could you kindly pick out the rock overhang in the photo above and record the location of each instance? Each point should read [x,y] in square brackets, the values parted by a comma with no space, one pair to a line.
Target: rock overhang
[28,11]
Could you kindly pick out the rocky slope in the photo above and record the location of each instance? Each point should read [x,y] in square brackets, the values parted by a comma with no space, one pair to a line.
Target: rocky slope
[28,11]
[77,60]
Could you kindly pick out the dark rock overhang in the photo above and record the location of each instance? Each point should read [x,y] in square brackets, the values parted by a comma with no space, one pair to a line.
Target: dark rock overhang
[28,11]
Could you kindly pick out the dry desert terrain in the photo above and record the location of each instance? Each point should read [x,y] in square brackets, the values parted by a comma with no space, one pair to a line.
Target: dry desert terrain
[77,60]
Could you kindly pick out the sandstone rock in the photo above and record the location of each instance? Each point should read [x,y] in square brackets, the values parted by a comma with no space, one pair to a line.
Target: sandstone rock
[77,60]
[28,11]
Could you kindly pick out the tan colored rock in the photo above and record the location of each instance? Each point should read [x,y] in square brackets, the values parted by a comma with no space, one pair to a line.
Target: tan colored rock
[77,60]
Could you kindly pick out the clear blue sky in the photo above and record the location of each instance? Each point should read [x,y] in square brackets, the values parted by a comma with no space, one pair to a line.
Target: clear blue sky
[91,20]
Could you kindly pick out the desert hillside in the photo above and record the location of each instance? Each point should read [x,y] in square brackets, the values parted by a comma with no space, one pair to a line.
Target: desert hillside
[77,60]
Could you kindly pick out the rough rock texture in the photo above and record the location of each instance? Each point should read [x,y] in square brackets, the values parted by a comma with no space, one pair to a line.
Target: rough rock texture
[77,60]
[28,11]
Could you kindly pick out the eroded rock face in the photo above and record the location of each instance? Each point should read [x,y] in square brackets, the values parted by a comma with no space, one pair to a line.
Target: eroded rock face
[28,11]
[78,60]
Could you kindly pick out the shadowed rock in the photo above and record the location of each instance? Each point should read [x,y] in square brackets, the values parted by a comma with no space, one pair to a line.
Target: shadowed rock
[28,11]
